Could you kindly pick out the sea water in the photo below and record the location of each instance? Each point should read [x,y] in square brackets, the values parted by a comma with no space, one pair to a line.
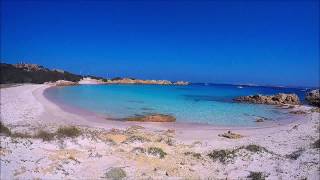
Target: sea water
[197,103]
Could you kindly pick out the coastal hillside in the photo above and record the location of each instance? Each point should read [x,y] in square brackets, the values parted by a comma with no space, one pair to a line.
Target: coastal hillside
[32,73]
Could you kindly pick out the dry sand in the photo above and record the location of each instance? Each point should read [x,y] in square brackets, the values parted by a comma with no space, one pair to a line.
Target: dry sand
[283,151]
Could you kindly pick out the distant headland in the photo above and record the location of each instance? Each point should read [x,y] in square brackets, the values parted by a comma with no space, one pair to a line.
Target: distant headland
[33,73]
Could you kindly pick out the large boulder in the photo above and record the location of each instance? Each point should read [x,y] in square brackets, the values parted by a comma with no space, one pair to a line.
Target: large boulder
[313,97]
[152,118]
[277,99]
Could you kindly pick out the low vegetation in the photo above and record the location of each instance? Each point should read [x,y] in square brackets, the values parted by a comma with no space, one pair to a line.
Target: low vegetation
[295,155]
[115,174]
[44,135]
[71,131]
[256,176]
[138,150]
[193,154]
[14,74]
[222,155]
[225,154]
[20,135]
[254,148]
[157,152]
[136,138]
[316,144]
[317,109]
[4,129]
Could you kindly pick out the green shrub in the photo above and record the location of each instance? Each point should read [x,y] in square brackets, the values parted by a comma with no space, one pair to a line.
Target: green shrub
[157,152]
[68,132]
[222,155]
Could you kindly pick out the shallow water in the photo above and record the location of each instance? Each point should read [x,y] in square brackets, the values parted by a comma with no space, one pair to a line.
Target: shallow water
[210,104]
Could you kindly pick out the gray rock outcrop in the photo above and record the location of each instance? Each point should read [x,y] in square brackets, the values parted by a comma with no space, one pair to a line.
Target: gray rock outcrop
[313,97]
[277,99]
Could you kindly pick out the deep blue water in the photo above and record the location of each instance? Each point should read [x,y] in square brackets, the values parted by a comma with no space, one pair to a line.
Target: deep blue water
[194,103]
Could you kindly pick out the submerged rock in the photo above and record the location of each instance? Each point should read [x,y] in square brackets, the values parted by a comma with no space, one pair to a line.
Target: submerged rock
[277,99]
[313,97]
[298,112]
[152,118]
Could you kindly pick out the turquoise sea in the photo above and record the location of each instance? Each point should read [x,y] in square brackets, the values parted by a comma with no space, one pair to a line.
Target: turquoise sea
[196,103]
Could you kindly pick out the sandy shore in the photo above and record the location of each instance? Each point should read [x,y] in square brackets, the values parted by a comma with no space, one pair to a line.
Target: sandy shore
[284,151]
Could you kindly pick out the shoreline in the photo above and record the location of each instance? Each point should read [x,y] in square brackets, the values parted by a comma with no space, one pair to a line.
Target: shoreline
[185,148]
[98,117]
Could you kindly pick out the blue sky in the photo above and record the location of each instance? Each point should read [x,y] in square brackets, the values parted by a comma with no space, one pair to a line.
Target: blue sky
[260,42]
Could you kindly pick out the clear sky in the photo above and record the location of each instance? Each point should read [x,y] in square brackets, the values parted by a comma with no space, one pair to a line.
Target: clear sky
[263,42]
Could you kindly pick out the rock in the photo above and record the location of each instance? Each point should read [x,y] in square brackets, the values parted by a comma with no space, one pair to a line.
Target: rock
[152,118]
[277,99]
[65,83]
[259,120]
[181,83]
[298,112]
[137,81]
[231,135]
[88,80]
[313,97]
